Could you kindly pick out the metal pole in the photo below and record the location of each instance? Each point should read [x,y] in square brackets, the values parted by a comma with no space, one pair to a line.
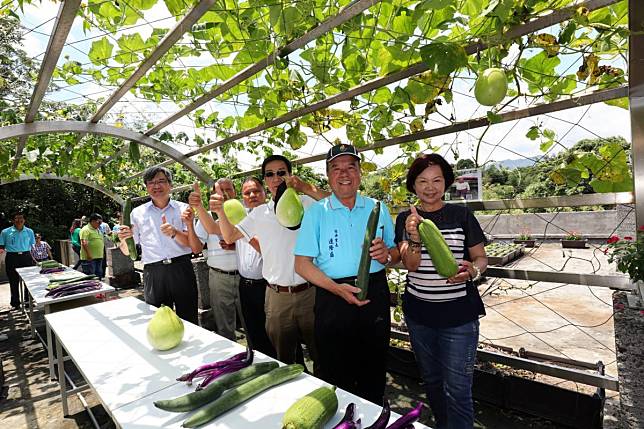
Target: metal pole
[636,102]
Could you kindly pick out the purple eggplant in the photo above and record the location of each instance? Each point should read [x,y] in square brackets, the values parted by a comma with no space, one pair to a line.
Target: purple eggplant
[71,289]
[383,418]
[349,413]
[349,424]
[408,419]
[211,371]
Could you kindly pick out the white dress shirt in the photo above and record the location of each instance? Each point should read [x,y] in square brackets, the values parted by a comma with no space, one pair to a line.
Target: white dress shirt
[217,257]
[277,243]
[146,228]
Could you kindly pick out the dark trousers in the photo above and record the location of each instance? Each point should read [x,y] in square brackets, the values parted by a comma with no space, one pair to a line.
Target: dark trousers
[173,285]
[15,260]
[76,250]
[252,295]
[352,341]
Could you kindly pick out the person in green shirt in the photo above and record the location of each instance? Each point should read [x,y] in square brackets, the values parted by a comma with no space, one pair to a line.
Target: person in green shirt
[74,235]
[92,247]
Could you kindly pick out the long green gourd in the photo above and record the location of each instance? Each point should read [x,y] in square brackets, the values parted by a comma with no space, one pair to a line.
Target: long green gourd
[241,394]
[312,411]
[362,280]
[437,247]
[131,246]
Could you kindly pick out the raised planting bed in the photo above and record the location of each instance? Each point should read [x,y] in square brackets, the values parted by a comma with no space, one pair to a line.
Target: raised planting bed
[502,253]
[573,244]
[566,407]
[526,243]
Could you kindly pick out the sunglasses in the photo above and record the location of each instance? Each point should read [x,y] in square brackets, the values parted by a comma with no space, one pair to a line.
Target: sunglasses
[279,173]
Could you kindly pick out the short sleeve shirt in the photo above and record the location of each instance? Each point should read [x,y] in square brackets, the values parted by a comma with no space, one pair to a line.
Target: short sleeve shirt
[94,240]
[40,251]
[428,299]
[333,235]
[217,257]
[276,241]
[146,229]
[17,240]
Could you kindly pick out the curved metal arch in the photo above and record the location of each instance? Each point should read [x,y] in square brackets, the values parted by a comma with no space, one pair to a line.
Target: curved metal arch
[49,176]
[44,127]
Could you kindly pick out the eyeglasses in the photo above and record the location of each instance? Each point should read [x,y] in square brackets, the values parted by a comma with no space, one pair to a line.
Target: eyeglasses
[279,173]
[157,182]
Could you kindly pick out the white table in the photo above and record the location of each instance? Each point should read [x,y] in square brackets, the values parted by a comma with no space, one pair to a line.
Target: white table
[36,285]
[107,342]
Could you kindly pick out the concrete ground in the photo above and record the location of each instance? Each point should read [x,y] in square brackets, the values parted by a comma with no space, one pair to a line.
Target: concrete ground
[564,320]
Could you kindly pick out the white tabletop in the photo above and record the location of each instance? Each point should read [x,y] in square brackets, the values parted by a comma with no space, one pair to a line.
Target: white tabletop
[108,344]
[37,283]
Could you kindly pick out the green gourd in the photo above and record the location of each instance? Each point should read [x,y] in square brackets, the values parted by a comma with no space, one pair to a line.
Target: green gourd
[311,411]
[362,280]
[131,246]
[438,250]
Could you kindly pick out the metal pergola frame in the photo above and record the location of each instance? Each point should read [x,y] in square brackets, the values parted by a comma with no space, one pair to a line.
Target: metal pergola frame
[634,91]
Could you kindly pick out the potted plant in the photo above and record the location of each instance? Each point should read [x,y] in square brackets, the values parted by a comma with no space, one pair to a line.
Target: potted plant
[573,240]
[524,238]
[628,254]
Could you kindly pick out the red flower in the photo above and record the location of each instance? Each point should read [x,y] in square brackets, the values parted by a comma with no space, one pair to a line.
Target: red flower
[612,239]
[628,238]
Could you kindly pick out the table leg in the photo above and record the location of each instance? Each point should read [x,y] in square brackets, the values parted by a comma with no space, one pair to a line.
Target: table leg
[61,377]
[50,348]
[31,316]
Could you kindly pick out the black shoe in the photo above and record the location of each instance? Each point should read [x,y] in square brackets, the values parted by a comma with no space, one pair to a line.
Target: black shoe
[15,307]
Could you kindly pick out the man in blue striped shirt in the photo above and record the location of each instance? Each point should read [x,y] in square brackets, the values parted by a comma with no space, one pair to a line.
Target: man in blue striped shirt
[16,241]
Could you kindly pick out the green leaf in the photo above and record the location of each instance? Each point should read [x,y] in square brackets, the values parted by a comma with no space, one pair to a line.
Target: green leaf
[444,58]
[545,145]
[438,4]
[494,118]
[533,133]
[100,52]
[403,25]
[619,102]
[539,72]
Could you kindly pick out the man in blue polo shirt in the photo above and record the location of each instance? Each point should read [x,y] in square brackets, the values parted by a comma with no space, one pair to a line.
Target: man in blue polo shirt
[352,336]
[17,241]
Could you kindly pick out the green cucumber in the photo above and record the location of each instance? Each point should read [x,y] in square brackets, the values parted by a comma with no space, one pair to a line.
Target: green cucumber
[196,399]
[442,257]
[362,280]
[131,246]
[241,394]
[311,411]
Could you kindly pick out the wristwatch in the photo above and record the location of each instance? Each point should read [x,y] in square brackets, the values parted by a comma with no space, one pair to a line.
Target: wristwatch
[478,273]
[388,259]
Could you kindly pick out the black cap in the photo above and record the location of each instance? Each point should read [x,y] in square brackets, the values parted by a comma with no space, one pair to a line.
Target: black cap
[341,149]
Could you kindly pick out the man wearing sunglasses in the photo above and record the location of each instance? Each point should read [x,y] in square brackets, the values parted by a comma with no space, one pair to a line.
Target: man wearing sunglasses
[289,298]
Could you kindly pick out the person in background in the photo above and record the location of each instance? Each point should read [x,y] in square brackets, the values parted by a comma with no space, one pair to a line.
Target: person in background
[16,241]
[462,187]
[92,247]
[41,250]
[168,276]
[442,313]
[352,335]
[74,236]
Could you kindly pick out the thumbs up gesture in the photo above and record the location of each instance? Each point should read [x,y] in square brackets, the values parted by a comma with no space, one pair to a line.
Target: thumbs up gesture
[194,199]
[412,222]
[166,228]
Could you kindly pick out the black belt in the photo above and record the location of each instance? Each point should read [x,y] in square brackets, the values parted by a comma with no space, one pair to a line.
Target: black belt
[289,289]
[17,253]
[181,258]
[230,273]
[347,280]
[253,282]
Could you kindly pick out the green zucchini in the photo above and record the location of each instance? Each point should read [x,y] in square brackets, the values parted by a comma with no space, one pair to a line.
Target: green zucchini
[311,411]
[196,399]
[241,394]
[135,154]
[362,280]
[442,257]
[131,246]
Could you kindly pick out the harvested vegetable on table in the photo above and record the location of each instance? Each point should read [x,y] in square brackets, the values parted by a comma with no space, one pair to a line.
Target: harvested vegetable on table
[196,399]
[165,329]
[383,418]
[241,394]
[211,371]
[74,288]
[408,419]
[313,410]
[53,283]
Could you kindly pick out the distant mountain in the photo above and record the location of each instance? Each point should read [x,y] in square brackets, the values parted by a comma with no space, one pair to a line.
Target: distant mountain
[511,164]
